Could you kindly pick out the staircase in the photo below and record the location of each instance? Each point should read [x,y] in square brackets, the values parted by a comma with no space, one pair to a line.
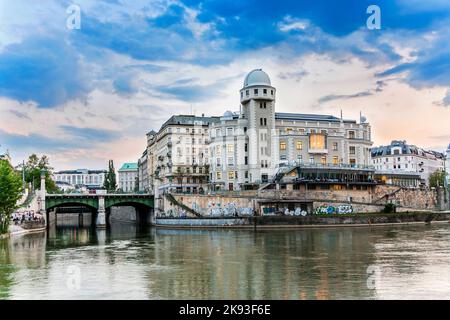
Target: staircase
[387,195]
[175,202]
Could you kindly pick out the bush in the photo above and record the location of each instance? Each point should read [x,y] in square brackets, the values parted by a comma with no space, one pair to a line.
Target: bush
[389,208]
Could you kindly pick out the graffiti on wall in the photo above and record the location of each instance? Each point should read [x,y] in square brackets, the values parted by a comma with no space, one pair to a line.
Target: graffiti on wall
[228,210]
[340,209]
[296,212]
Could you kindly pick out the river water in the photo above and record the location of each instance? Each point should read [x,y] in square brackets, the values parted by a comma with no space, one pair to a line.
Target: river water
[125,262]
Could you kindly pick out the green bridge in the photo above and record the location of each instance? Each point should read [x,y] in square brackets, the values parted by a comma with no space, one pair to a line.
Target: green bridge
[100,205]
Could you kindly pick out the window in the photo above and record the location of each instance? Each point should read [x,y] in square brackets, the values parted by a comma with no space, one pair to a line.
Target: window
[246,92]
[246,160]
[323,160]
[283,157]
[299,145]
[218,150]
[246,147]
[311,159]
[218,175]
[351,134]
[352,161]
[282,145]
[317,141]
[300,158]
[301,131]
[230,148]
[396,151]
[335,160]
[246,175]
[265,121]
[229,131]
[265,91]
[230,175]
[335,146]
[218,133]
[352,150]
[230,161]
[255,91]
[323,131]
[271,92]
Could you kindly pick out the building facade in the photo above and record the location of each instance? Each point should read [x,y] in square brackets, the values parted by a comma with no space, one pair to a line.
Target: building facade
[143,172]
[402,157]
[245,149]
[92,179]
[178,154]
[248,147]
[447,165]
[128,177]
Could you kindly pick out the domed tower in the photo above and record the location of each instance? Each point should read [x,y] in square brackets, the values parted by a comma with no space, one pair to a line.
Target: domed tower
[258,107]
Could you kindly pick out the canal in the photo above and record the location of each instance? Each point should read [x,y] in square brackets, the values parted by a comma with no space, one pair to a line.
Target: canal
[73,262]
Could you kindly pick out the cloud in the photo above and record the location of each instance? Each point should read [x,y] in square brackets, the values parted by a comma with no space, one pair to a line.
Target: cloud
[332,97]
[90,134]
[46,70]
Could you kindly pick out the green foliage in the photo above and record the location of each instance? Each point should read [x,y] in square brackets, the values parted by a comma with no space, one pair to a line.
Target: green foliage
[436,179]
[389,208]
[110,179]
[10,193]
[33,168]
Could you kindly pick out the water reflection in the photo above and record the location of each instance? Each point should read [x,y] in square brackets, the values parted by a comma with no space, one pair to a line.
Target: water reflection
[133,263]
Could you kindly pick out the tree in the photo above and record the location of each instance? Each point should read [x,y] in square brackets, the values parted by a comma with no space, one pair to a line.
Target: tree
[10,193]
[110,178]
[33,168]
[436,179]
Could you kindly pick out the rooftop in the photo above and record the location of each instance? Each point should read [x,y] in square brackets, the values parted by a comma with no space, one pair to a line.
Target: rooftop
[80,171]
[308,117]
[257,77]
[129,166]
[189,120]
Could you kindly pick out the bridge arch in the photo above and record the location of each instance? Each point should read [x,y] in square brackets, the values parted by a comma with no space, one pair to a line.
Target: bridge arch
[52,202]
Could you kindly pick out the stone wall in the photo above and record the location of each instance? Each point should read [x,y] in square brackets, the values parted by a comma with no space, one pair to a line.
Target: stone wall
[408,198]
[123,213]
[371,200]
[211,205]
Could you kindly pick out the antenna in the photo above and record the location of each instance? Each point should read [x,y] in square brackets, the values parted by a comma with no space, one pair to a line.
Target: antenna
[341,115]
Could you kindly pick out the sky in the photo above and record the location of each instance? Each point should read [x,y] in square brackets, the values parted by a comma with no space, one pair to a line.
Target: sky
[88,94]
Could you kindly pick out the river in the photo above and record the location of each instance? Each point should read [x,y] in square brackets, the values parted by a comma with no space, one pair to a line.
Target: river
[126,262]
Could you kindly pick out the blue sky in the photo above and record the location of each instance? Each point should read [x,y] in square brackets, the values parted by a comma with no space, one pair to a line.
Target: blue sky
[86,95]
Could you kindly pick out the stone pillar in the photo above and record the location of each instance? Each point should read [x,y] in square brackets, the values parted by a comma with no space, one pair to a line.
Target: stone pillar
[41,198]
[101,214]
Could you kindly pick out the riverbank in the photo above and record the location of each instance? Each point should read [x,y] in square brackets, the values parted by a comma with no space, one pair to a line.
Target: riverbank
[17,230]
[311,221]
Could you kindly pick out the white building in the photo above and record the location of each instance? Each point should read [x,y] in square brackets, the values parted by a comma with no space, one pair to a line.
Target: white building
[402,157]
[248,147]
[447,163]
[92,179]
[128,177]
[245,149]
[143,172]
[178,154]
